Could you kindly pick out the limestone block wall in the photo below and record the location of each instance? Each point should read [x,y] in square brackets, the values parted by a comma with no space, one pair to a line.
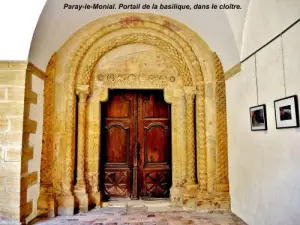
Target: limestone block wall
[21,102]
[12,94]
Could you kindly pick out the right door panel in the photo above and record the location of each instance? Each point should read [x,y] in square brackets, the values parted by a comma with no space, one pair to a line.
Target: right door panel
[154,136]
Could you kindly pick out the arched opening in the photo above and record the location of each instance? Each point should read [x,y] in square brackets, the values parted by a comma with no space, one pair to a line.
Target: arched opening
[133,51]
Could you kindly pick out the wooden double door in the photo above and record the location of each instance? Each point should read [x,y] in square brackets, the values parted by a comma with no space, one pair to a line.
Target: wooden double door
[136,146]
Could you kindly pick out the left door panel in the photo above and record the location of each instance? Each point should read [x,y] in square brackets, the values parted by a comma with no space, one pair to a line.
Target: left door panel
[117,139]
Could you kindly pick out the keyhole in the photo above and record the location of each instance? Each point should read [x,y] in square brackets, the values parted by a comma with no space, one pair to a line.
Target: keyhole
[155,148]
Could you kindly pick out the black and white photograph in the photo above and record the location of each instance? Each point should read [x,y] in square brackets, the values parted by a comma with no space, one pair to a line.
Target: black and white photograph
[286,112]
[258,118]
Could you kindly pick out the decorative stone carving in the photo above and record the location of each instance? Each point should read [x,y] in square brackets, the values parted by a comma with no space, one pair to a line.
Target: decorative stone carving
[201,138]
[184,50]
[144,81]
[190,97]
[80,188]
[46,202]
[95,54]
[222,152]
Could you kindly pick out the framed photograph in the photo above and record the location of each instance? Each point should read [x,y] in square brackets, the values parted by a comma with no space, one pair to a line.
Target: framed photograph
[258,117]
[286,112]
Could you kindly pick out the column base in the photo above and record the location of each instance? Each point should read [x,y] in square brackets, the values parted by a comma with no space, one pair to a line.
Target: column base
[222,201]
[191,190]
[189,197]
[205,201]
[82,199]
[213,201]
[66,204]
[46,202]
[176,195]
[95,198]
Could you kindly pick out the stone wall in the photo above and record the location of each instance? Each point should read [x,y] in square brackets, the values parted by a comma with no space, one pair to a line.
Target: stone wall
[16,147]
[12,96]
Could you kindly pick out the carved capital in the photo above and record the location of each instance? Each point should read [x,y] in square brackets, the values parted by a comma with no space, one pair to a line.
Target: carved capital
[168,95]
[82,91]
[190,93]
[103,94]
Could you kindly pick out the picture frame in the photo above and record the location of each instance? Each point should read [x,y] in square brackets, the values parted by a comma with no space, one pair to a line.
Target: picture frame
[258,118]
[286,112]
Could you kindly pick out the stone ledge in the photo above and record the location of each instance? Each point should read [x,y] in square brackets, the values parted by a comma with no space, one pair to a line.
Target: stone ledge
[30,126]
[36,71]
[207,201]
[31,97]
[27,153]
[29,180]
[233,71]
[25,211]
[13,65]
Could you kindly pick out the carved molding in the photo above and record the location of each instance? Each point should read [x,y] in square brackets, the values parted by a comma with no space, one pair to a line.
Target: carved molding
[201,139]
[190,141]
[222,151]
[142,80]
[46,202]
[82,91]
[80,73]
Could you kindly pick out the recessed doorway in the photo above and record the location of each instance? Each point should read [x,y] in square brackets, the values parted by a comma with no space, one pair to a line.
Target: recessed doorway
[136,145]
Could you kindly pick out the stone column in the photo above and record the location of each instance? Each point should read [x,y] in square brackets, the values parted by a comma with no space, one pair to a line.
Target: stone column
[80,188]
[178,146]
[98,95]
[191,186]
[46,201]
[201,138]
[204,198]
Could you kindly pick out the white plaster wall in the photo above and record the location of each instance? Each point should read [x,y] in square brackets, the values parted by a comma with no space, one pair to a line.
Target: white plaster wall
[264,166]
[35,141]
[266,19]
[236,19]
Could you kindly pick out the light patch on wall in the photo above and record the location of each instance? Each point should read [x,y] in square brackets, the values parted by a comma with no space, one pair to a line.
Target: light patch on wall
[35,141]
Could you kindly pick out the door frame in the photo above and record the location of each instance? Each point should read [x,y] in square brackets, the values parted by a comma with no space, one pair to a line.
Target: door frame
[176,97]
[136,185]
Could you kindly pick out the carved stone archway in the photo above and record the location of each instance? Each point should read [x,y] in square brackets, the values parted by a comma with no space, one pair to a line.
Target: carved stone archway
[201,153]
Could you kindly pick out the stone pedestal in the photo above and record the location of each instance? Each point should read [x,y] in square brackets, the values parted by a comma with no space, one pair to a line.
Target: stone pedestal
[46,202]
[66,205]
[82,199]
[176,195]
[189,197]
[205,201]
[222,201]
[80,189]
[95,198]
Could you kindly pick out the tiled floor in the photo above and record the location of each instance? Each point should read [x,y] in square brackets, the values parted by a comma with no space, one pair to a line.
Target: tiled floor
[143,215]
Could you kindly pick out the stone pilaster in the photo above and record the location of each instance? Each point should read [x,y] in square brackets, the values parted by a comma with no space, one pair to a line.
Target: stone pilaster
[176,189]
[46,201]
[80,190]
[191,186]
[201,139]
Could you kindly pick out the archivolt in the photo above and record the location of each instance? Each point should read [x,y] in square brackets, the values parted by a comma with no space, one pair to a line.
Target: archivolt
[132,22]
[93,56]
[73,63]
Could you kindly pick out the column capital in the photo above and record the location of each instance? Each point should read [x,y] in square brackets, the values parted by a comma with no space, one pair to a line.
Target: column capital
[190,93]
[200,86]
[82,91]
